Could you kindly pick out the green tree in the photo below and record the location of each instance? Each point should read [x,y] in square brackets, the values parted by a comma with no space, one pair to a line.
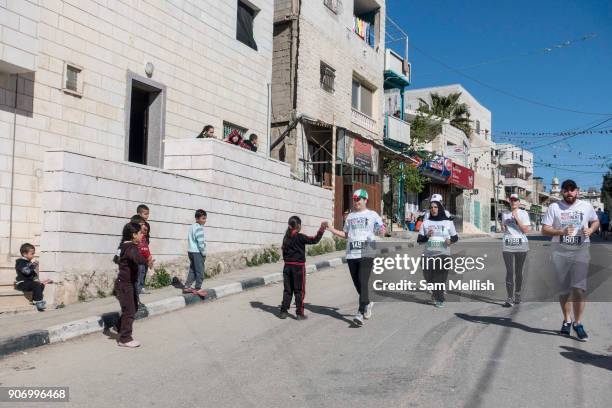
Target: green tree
[449,107]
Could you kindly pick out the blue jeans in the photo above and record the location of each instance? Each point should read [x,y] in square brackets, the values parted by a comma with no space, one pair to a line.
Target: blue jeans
[142,274]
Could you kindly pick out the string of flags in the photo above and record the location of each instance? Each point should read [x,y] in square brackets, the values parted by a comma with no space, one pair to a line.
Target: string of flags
[581,132]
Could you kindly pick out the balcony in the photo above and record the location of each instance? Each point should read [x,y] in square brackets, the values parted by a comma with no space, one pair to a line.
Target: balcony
[517,182]
[397,130]
[363,120]
[397,70]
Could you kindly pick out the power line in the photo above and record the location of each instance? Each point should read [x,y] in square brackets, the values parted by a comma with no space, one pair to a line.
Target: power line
[569,137]
[545,50]
[518,97]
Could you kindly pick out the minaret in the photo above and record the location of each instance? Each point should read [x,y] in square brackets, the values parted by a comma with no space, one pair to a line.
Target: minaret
[555,190]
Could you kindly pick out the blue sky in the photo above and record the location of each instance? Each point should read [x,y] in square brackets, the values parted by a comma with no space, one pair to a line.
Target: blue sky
[576,77]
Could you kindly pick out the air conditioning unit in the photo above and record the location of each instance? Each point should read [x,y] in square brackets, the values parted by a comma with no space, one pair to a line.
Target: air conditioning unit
[333,5]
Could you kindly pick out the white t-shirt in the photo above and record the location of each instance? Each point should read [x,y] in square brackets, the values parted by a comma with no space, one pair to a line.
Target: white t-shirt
[560,215]
[361,229]
[514,239]
[442,230]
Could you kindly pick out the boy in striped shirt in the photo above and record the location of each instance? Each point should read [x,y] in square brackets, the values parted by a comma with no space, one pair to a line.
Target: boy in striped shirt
[197,255]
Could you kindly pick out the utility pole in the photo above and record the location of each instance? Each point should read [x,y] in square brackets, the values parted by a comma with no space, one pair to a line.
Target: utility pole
[333,170]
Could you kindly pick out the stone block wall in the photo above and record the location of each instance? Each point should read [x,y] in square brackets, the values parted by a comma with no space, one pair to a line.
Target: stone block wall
[87,200]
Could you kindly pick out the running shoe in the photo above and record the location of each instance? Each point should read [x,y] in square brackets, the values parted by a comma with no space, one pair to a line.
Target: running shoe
[566,328]
[129,344]
[283,314]
[508,303]
[358,319]
[368,311]
[301,317]
[580,332]
[439,304]
[40,305]
[517,298]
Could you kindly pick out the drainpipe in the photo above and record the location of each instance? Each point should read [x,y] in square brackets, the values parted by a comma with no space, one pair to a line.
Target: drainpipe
[10,243]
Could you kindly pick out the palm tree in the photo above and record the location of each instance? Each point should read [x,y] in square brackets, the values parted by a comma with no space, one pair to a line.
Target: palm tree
[448,107]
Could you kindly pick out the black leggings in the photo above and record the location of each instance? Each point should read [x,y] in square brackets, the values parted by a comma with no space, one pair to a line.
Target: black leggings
[514,271]
[361,269]
[434,272]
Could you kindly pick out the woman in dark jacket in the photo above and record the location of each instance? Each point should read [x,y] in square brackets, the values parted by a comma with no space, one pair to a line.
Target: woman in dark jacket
[129,259]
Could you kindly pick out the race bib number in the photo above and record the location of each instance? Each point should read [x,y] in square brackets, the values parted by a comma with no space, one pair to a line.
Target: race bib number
[436,244]
[572,240]
[357,245]
[513,242]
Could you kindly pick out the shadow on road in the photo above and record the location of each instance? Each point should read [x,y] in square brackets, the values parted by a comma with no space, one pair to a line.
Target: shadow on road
[328,311]
[505,322]
[585,357]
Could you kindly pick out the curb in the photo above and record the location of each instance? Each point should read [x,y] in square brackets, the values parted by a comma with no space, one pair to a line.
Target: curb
[93,324]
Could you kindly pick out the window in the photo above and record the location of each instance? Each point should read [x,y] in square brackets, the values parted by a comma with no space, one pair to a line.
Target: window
[478,127]
[244,24]
[328,75]
[333,5]
[229,127]
[366,21]
[362,98]
[73,83]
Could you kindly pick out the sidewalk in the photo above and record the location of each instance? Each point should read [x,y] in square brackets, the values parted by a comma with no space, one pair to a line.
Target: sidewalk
[23,331]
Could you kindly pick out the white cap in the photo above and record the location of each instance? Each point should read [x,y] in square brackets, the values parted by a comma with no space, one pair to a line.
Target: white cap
[436,197]
[514,196]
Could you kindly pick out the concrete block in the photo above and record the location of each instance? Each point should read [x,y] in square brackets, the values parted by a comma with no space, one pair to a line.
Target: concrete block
[166,305]
[66,331]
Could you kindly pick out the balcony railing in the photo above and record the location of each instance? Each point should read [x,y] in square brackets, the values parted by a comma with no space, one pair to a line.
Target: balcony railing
[397,130]
[516,182]
[363,120]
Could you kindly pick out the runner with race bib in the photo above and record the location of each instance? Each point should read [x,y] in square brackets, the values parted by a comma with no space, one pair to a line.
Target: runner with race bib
[567,221]
[438,233]
[515,247]
[360,228]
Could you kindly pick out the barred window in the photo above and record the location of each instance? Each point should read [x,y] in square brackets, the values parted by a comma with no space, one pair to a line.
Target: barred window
[229,127]
[328,75]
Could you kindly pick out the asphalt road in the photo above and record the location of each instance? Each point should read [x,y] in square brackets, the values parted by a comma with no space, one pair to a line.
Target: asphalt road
[235,353]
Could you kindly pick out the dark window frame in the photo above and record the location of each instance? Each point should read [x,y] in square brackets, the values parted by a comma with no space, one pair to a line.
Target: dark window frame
[327,78]
[245,23]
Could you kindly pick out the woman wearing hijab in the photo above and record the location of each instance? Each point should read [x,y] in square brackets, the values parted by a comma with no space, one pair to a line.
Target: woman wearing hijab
[438,233]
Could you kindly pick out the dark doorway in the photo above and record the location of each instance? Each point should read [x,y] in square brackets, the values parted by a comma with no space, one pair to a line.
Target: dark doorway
[139,120]
[145,116]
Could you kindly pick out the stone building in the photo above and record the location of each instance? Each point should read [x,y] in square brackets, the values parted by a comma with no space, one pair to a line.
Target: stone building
[327,84]
[106,87]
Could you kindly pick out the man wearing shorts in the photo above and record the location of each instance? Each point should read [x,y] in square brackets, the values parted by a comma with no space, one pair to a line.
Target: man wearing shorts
[567,221]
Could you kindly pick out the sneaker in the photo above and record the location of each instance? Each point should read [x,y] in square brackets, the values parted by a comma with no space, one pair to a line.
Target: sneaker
[301,317]
[439,304]
[283,314]
[129,344]
[145,292]
[508,303]
[517,298]
[566,328]
[358,319]
[580,332]
[368,310]
[40,305]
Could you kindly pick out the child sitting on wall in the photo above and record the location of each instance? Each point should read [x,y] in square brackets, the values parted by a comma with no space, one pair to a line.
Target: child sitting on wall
[27,276]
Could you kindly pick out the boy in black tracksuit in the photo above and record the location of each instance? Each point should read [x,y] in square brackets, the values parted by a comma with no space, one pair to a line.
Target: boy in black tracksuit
[27,277]
[294,272]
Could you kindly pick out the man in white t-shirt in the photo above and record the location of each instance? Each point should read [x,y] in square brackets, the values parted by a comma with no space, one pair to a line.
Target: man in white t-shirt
[515,224]
[567,221]
[360,229]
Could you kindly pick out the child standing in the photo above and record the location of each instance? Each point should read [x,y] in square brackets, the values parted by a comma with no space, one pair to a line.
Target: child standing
[143,247]
[27,276]
[196,254]
[129,260]
[294,273]
[143,211]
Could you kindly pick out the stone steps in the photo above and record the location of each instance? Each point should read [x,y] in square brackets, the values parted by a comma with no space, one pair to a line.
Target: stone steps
[12,300]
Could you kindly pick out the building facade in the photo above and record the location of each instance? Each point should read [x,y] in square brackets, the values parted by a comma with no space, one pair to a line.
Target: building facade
[472,205]
[328,86]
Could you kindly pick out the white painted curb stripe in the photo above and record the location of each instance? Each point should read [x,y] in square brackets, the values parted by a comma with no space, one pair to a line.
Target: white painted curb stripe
[165,305]
[229,289]
[272,278]
[335,262]
[66,331]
